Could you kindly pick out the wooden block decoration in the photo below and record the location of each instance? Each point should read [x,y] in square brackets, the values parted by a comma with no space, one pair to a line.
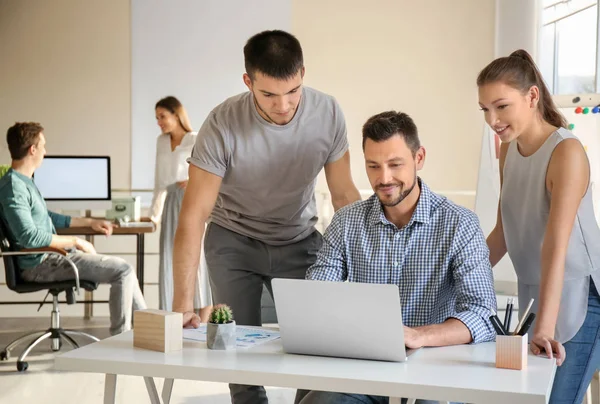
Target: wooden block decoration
[158,330]
[511,351]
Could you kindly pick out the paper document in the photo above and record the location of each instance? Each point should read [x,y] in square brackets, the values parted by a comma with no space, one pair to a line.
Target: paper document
[246,336]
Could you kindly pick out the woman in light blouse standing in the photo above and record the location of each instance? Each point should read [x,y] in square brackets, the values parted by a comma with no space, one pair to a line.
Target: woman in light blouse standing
[173,147]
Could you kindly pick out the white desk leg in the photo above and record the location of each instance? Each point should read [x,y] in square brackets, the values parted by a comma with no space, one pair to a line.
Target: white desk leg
[110,388]
[166,391]
[152,392]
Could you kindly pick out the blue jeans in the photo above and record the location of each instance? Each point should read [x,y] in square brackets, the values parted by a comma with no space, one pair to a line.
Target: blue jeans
[583,357]
[325,397]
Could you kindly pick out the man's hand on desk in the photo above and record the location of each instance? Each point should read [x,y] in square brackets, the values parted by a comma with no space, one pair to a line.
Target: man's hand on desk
[102,226]
[412,338]
[190,319]
[84,246]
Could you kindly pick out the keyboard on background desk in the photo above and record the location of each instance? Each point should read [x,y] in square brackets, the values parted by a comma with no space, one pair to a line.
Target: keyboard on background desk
[136,224]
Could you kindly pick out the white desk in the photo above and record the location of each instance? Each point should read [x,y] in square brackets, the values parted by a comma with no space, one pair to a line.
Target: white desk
[459,373]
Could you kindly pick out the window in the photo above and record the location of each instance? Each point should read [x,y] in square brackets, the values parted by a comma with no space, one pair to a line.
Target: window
[569,46]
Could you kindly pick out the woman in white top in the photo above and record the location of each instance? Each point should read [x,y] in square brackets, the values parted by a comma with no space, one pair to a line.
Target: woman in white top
[173,147]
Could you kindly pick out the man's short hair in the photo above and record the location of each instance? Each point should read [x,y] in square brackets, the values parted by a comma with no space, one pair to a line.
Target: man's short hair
[21,136]
[383,126]
[276,54]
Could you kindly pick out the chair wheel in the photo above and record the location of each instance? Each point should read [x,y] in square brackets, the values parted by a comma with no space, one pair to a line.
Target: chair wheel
[4,356]
[22,366]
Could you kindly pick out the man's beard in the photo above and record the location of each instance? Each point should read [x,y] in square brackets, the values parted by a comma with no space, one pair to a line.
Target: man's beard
[268,117]
[400,197]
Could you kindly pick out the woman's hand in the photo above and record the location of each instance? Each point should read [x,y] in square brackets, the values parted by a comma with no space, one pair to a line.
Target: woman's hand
[543,343]
[182,184]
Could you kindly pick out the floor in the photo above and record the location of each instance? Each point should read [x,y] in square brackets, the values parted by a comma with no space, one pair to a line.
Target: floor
[41,384]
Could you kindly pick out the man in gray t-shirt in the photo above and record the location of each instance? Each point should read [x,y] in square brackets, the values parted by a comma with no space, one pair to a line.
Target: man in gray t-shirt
[253,172]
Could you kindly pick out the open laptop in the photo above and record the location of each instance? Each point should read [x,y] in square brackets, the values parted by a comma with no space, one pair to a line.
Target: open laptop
[341,319]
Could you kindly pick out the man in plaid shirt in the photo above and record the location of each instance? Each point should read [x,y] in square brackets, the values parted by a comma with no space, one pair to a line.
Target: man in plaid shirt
[409,236]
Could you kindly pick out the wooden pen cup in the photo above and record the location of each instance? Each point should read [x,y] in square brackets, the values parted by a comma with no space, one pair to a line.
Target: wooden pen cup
[511,351]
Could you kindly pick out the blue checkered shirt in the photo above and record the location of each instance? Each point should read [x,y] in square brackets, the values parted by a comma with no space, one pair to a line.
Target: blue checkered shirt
[439,260]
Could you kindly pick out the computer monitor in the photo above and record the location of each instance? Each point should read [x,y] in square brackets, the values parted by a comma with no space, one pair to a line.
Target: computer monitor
[75,182]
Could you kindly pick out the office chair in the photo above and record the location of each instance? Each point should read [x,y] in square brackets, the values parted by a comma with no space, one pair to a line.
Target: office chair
[14,282]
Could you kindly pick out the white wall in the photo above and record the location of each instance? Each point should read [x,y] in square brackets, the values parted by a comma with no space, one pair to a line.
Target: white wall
[66,64]
[192,51]
[420,57]
[517,26]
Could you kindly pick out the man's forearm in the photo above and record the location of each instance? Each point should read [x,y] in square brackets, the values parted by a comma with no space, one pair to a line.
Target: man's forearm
[81,222]
[450,332]
[186,258]
[63,241]
[350,196]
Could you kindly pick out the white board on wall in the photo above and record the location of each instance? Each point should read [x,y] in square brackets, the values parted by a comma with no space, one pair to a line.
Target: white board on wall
[192,50]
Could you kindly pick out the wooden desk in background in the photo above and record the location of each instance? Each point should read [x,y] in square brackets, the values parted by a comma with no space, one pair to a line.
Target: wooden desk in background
[139,231]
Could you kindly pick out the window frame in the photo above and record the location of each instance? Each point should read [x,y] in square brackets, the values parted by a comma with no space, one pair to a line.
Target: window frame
[555,77]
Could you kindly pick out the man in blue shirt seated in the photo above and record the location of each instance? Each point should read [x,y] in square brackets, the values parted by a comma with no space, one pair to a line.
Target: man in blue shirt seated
[30,225]
[408,236]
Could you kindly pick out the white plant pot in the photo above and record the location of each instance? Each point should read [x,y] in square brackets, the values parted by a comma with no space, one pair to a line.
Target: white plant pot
[221,336]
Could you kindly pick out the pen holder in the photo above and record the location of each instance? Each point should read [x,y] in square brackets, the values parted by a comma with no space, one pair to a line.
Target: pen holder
[511,351]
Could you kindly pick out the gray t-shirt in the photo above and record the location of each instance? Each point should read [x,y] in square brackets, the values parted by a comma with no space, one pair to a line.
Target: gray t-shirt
[269,171]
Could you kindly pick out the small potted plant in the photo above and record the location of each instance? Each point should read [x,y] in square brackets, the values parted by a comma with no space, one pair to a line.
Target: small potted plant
[3,169]
[220,330]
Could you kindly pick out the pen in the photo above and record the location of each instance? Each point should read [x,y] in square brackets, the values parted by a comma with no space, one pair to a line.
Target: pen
[508,314]
[526,324]
[497,324]
[525,313]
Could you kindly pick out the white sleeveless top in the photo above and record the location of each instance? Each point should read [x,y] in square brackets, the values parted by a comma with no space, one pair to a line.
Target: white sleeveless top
[525,206]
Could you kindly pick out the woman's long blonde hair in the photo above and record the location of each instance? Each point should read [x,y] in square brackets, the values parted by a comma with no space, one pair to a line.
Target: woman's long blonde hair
[174,106]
